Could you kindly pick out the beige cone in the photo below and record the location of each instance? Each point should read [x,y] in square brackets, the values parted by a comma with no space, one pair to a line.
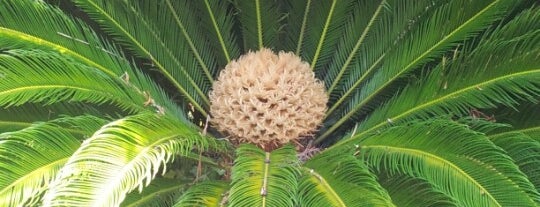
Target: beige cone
[267,99]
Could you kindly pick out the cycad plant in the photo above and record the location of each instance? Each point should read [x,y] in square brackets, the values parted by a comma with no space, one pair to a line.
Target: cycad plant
[269,103]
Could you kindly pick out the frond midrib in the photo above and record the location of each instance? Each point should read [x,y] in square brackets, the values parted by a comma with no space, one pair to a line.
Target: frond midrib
[302,29]
[216,28]
[323,35]
[259,23]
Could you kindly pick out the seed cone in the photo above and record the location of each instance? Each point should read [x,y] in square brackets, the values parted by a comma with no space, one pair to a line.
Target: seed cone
[267,99]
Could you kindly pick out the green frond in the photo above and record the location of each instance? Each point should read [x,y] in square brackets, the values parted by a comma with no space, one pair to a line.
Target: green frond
[523,120]
[260,23]
[462,19]
[264,179]
[412,192]
[339,179]
[456,161]
[294,24]
[218,25]
[365,17]
[520,139]
[162,192]
[525,151]
[21,27]
[363,48]
[323,28]
[159,32]
[496,72]
[123,155]
[31,157]
[32,76]
[209,193]
[16,118]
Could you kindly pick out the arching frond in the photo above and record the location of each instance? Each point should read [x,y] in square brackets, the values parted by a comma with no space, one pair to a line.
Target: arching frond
[496,72]
[21,28]
[323,28]
[217,21]
[525,152]
[412,192]
[264,179]
[31,157]
[209,193]
[294,26]
[123,155]
[523,120]
[162,192]
[259,22]
[362,49]
[365,17]
[339,179]
[458,162]
[16,118]
[462,19]
[521,140]
[153,32]
[42,77]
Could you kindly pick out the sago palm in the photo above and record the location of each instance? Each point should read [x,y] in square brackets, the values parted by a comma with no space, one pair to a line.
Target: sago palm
[269,103]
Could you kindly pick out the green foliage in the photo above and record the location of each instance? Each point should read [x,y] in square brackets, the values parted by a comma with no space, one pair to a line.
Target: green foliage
[262,178]
[432,103]
[328,180]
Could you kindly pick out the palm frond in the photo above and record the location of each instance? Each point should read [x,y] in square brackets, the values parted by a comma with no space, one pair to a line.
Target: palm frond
[525,151]
[262,178]
[462,19]
[16,118]
[161,192]
[458,162]
[339,179]
[31,157]
[32,76]
[366,18]
[260,23]
[21,27]
[151,30]
[498,72]
[132,149]
[412,192]
[294,27]
[521,139]
[217,21]
[363,48]
[209,193]
[523,120]
[324,26]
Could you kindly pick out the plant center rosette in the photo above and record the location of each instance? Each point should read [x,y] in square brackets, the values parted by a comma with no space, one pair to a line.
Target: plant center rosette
[267,99]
